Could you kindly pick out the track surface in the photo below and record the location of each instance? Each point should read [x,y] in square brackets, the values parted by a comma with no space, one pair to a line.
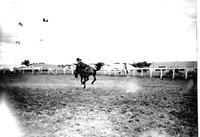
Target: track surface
[57,106]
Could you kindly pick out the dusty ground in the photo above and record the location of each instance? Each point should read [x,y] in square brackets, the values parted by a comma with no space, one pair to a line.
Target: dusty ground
[57,106]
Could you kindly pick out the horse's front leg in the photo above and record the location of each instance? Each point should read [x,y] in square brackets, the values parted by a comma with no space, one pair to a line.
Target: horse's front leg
[84,82]
[81,80]
[94,79]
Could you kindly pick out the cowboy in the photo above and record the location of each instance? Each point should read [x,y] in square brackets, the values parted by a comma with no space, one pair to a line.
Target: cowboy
[81,63]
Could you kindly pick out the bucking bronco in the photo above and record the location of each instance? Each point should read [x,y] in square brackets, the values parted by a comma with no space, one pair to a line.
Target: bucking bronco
[84,70]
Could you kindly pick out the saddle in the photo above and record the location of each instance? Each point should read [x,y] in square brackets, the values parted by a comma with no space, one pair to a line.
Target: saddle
[82,66]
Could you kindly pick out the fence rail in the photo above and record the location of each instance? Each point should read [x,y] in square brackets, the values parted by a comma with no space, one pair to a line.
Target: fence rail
[148,72]
[151,72]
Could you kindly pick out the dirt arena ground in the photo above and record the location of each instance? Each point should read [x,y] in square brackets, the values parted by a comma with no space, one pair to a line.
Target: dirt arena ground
[57,106]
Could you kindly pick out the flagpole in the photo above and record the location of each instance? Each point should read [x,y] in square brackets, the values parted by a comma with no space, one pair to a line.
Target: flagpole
[15,52]
[16,43]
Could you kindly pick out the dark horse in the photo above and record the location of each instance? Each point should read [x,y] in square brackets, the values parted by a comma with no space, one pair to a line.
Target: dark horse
[85,71]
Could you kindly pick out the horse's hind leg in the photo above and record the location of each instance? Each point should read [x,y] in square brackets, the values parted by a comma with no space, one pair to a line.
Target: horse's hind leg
[94,79]
[84,85]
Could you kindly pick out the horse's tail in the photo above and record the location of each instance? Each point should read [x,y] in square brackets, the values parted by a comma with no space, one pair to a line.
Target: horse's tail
[99,65]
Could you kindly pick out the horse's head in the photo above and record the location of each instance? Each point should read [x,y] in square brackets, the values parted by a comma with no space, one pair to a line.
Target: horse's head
[75,74]
[80,67]
[77,70]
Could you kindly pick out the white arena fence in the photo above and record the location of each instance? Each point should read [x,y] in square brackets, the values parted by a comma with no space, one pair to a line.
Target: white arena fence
[143,72]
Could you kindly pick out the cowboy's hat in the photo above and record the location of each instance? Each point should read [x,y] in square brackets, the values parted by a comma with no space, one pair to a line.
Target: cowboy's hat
[78,59]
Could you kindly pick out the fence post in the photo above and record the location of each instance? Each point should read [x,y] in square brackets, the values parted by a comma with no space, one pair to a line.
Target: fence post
[161,73]
[142,72]
[72,71]
[186,73]
[134,72]
[151,73]
[173,75]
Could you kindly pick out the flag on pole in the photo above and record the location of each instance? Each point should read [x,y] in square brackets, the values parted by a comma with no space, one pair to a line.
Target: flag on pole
[18,42]
[45,20]
[20,24]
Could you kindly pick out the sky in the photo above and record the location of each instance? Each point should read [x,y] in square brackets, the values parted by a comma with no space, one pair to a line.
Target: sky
[106,31]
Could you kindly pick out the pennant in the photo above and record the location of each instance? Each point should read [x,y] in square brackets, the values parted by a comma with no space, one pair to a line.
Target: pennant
[18,42]
[20,24]
[45,20]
